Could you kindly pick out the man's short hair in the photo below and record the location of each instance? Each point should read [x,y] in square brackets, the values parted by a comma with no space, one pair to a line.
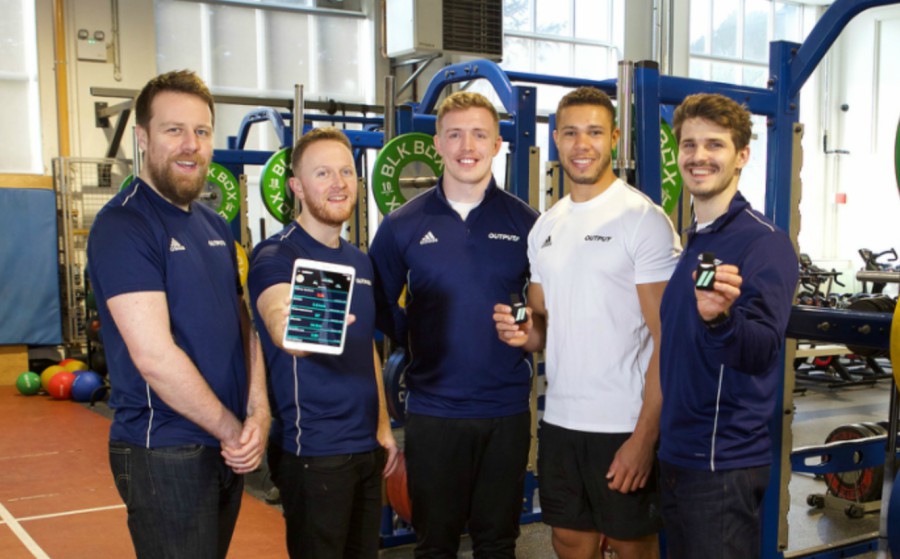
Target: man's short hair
[180,81]
[586,95]
[313,136]
[462,100]
[718,109]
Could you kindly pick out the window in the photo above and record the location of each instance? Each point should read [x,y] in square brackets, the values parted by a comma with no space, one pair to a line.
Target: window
[577,38]
[729,42]
[261,52]
[573,38]
[19,88]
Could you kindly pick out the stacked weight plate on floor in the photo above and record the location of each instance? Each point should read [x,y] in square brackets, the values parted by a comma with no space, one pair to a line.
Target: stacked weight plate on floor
[395,385]
[862,485]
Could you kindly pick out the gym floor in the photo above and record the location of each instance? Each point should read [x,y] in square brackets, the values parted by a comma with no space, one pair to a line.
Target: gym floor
[57,499]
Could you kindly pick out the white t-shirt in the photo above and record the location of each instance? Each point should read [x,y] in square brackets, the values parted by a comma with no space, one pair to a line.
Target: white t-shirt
[588,258]
[463,208]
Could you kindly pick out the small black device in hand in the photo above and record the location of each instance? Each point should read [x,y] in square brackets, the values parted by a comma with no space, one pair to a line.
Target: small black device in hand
[518,309]
[706,272]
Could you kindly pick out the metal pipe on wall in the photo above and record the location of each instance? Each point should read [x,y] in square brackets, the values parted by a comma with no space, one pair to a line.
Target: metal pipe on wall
[389,107]
[62,85]
[624,89]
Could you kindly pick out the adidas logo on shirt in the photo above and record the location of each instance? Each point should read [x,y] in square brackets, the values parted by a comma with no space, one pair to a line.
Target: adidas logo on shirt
[547,242]
[175,246]
[428,239]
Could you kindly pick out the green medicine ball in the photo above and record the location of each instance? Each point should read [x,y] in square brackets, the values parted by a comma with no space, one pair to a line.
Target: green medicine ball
[28,383]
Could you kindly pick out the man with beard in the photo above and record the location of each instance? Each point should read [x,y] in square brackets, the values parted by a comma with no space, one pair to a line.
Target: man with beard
[459,248]
[190,417]
[721,346]
[330,429]
[600,259]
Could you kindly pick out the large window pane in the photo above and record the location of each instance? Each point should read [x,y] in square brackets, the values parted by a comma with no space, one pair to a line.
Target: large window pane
[700,19]
[788,23]
[338,58]
[755,76]
[12,41]
[16,155]
[725,28]
[592,20]
[287,50]
[591,62]
[20,116]
[518,15]
[756,30]
[179,39]
[234,47]
[554,17]
[517,54]
[699,69]
[724,72]
[553,58]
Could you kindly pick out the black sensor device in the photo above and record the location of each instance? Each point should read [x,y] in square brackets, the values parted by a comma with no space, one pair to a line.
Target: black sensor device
[518,309]
[706,272]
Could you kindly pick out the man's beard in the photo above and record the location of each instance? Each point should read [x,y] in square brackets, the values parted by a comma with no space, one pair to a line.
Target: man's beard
[325,215]
[180,190]
[605,162]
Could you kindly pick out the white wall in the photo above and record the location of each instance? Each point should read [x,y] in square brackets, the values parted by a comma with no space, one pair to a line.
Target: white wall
[138,64]
[865,78]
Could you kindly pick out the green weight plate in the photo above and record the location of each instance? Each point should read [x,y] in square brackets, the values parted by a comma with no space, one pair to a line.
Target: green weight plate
[221,193]
[670,178]
[392,159]
[273,185]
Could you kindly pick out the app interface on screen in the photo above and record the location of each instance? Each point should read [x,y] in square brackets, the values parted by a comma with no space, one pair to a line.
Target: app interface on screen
[318,307]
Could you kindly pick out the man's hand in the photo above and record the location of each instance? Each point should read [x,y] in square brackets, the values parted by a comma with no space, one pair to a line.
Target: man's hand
[726,290]
[631,466]
[507,330]
[386,439]
[247,455]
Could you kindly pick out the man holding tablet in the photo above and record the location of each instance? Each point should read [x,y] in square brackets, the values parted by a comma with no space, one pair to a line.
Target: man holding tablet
[331,439]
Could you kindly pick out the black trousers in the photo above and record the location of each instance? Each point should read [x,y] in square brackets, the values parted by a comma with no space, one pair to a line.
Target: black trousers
[466,471]
[332,504]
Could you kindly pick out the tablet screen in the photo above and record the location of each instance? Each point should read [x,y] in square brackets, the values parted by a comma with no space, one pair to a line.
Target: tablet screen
[320,301]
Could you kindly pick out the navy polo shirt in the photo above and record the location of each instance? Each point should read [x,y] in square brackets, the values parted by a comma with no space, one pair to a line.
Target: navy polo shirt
[455,271]
[322,404]
[141,242]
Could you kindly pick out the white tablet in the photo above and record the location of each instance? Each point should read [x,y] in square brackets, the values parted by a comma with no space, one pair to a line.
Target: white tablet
[320,302]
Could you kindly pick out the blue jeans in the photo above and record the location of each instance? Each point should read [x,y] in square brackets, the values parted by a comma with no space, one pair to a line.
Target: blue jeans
[182,501]
[332,504]
[712,514]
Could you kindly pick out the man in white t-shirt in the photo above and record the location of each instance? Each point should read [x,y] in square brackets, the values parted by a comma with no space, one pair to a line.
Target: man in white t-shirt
[600,260]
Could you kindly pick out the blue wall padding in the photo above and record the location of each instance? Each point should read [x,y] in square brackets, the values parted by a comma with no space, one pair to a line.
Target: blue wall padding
[29,269]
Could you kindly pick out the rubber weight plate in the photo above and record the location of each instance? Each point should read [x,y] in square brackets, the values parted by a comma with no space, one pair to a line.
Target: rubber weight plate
[862,485]
[394,157]
[395,385]
[273,185]
[221,193]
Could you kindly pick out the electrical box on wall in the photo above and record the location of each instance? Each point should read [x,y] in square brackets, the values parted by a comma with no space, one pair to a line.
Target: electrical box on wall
[91,45]
[422,27]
